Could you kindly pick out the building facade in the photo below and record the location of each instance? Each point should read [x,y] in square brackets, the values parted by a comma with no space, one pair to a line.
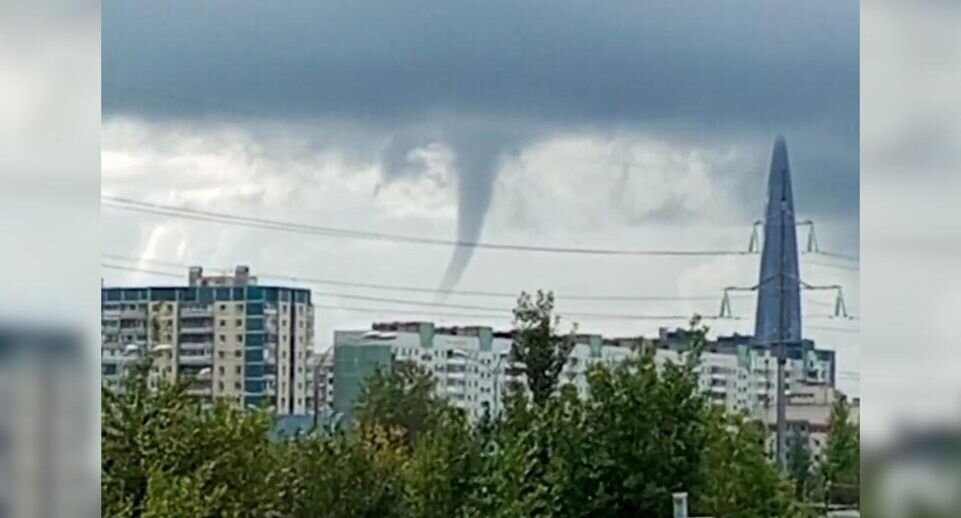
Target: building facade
[471,364]
[322,381]
[232,338]
[808,417]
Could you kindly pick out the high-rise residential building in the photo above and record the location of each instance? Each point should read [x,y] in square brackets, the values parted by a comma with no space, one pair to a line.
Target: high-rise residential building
[471,364]
[231,337]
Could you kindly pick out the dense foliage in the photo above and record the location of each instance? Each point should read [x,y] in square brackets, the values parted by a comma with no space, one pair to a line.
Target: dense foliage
[839,474]
[641,433]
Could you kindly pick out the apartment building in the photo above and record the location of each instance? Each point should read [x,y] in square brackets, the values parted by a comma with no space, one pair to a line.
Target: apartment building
[232,338]
[742,375]
[471,364]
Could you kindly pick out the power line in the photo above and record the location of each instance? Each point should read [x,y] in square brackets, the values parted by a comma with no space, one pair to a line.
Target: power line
[839,256]
[834,329]
[299,228]
[408,302]
[844,267]
[421,289]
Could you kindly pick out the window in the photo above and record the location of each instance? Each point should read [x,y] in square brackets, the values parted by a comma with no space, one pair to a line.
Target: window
[223,323]
[220,385]
[223,307]
[221,370]
[237,384]
[237,369]
[240,339]
[240,307]
[237,353]
[239,322]
[221,354]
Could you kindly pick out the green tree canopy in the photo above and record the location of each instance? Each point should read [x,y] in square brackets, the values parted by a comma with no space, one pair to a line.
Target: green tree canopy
[403,399]
[537,347]
[840,467]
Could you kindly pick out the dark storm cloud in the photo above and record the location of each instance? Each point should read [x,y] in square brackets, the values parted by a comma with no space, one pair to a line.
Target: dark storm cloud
[559,61]
[467,70]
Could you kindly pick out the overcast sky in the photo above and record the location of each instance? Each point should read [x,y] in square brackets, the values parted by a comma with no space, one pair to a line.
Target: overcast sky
[644,125]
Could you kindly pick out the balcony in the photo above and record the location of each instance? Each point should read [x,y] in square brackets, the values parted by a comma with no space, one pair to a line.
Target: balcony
[136,328]
[203,345]
[197,330]
[136,314]
[196,359]
[196,311]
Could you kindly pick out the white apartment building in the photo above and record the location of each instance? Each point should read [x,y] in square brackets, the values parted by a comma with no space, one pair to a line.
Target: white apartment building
[232,338]
[470,364]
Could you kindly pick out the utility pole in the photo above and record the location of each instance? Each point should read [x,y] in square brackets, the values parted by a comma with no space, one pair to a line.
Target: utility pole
[780,348]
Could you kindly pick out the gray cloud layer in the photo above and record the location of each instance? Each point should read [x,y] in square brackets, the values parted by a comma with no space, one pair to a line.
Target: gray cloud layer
[726,63]
[468,71]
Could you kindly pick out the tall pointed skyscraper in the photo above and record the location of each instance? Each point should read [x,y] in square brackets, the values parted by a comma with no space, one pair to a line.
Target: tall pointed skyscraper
[778,317]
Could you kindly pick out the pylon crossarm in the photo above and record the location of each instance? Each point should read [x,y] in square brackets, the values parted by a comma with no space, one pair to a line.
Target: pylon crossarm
[725,311]
[754,245]
[840,310]
[819,287]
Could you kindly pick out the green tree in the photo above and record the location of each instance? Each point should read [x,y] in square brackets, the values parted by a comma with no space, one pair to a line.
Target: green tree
[163,453]
[840,468]
[346,476]
[538,346]
[443,471]
[403,398]
[740,481]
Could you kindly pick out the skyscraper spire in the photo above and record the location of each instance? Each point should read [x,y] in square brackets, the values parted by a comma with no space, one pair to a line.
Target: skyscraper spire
[778,318]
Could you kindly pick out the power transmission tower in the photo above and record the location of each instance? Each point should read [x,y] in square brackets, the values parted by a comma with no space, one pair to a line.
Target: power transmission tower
[778,318]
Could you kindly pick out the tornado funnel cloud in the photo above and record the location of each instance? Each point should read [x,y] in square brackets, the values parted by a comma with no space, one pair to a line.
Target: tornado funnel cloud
[476,163]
